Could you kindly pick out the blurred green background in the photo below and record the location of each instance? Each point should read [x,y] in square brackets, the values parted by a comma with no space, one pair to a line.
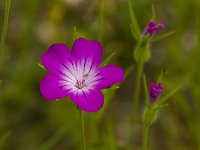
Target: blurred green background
[31,123]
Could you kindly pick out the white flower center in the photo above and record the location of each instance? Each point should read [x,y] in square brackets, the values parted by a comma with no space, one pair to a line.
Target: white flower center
[81,76]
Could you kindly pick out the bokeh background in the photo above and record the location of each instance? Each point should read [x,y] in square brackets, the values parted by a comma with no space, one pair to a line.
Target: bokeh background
[29,122]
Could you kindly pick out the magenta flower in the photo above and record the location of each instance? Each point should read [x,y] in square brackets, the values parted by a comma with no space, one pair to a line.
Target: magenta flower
[77,74]
[152,28]
[154,91]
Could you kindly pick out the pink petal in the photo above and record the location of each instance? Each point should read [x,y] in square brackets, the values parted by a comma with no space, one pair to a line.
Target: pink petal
[53,87]
[110,75]
[90,101]
[56,58]
[88,49]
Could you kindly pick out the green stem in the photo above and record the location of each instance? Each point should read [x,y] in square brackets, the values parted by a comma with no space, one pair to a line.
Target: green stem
[135,102]
[5,27]
[145,137]
[82,130]
[137,92]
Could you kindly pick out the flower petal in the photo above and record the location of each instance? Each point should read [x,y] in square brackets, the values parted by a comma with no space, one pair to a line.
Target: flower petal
[56,58]
[110,75]
[88,49]
[91,101]
[53,87]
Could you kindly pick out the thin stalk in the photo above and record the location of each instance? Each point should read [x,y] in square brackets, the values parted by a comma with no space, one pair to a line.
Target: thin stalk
[145,137]
[5,27]
[82,130]
[111,138]
[101,20]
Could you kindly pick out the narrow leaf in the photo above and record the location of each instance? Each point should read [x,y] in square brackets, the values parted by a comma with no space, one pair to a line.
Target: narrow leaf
[163,72]
[133,31]
[134,23]
[107,60]
[166,97]
[153,17]
[157,38]
[5,27]
[75,35]
[161,106]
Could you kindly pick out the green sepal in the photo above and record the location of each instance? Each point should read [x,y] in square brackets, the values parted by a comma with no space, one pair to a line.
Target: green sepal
[41,66]
[149,116]
[142,53]
[114,87]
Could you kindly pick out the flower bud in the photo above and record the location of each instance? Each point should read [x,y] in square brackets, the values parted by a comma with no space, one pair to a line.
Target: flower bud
[154,91]
[152,27]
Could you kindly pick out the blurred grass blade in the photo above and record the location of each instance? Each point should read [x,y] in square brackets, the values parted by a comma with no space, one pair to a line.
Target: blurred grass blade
[5,27]
[166,97]
[4,138]
[197,22]
[41,66]
[107,60]
[101,20]
[135,27]
[114,87]
[109,94]
[75,35]
[111,141]
[157,38]
[146,91]
[0,82]
[53,140]
[153,17]
[128,70]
